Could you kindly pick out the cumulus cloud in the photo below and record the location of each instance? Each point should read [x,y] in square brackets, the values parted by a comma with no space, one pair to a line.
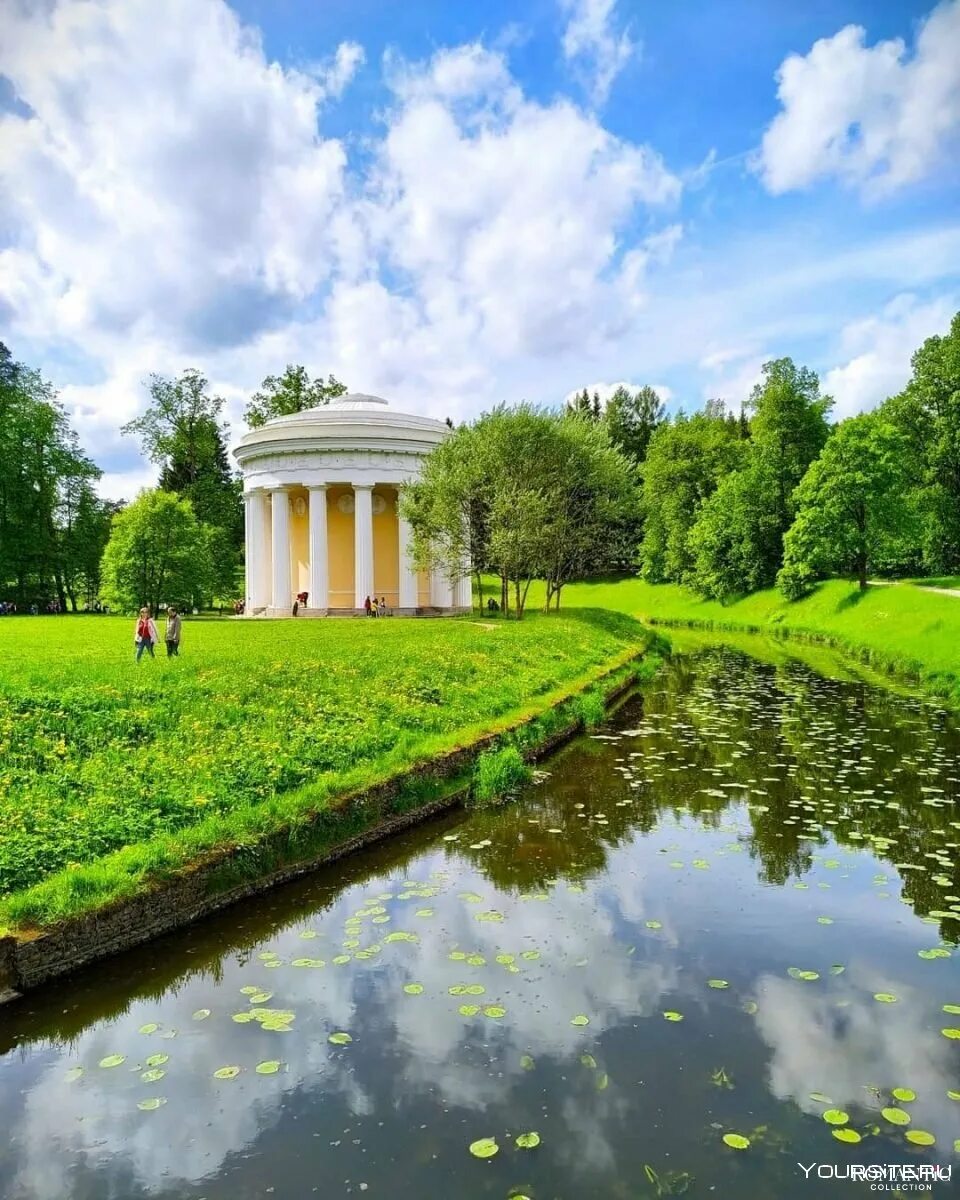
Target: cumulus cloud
[592,43]
[875,117]
[878,349]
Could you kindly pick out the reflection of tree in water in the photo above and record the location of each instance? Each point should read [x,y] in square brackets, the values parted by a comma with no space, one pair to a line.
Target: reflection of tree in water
[812,758]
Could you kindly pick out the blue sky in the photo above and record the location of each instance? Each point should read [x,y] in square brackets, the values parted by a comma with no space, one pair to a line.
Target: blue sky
[453,205]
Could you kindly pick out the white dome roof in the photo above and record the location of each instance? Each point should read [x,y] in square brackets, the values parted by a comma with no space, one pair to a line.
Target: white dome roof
[355,421]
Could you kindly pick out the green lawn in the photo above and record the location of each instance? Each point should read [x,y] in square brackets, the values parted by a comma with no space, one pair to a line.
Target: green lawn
[902,626]
[110,770]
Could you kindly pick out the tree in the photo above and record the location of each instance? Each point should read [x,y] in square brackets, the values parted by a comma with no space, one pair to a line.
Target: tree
[583,405]
[181,431]
[43,472]
[686,459]
[738,538]
[927,413]
[851,504]
[632,418]
[158,553]
[289,393]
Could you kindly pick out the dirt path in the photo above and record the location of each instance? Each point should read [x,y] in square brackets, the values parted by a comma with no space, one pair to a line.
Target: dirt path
[921,586]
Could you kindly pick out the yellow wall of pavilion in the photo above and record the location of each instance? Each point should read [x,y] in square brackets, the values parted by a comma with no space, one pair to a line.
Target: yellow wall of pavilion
[386,548]
[340,549]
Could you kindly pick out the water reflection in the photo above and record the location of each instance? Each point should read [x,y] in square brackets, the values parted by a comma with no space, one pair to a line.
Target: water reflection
[734,823]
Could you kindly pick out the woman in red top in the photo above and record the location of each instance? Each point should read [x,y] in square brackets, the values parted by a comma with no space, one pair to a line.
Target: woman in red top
[145,634]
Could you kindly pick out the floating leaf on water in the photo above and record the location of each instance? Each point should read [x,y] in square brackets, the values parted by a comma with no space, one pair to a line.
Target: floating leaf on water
[673,1016]
[308,933]
[717,983]
[270,1067]
[413,989]
[904,1095]
[157,1060]
[424,912]
[201,1014]
[468,1010]
[824,920]
[820,1098]
[150,1027]
[471,897]
[530,955]
[837,969]
[242,1018]
[258,997]
[492,915]
[484,1148]
[736,1141]
[495,1011]
[476,960]
[797,973]
[474,989]
[847,1135]
[951,1033]
[526,1062]
[653,924]
[226,1073]
[603,1080]
[920,1137]
[400,936]
[150,1105]
[953,1095]
[340,1039]
[113,1060]
[896,1116]
[527,1141]
[885,997]
[952,1008]
[836,1116]
[456,955]
[580,1019]
[249,990]
[153,1075]
[340,959]
[73,1074]
[936,952]
[505,960]
[589,1061]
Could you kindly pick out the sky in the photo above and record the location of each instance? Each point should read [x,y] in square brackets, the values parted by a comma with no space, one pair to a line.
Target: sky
[454,205]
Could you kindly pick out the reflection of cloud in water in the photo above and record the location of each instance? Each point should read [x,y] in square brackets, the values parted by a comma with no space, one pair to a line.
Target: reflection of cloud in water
[207,1120]
[818,1046]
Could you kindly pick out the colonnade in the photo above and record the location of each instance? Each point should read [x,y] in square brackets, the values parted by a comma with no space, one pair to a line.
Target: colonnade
[273,576]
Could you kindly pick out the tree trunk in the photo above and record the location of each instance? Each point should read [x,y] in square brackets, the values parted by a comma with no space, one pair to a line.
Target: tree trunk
[556,592]
[479,593]
[504,595]
[862,571]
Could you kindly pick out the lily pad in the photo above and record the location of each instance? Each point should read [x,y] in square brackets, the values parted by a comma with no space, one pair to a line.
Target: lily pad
[340,1039]
[717,983]
[920,1137]
[226,1073]
[201,1014]
[527,1141]
[150,1027]
[896,1116]
[580,1020]
[653,924]
[673,1016]
[73,1074]
[112,1060]
[413,989]
[885,997]
[820,1098]
[151,1104]
[736,1141]
[495,1011]
[951,1033]
[904,1095]
[530,955]
[484,1148]
[468,1010]
[847,1135]
[154,1075]
[836,1116]
[270,1067]
[527,1062]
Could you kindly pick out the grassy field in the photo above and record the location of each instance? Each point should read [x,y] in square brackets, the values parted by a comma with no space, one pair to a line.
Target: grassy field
[111,771]
[899,627]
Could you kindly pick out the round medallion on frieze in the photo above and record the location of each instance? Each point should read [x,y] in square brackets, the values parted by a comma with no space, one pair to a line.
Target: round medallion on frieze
[345,504]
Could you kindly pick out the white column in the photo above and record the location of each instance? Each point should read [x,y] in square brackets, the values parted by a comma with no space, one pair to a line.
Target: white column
[363,541]
[441,593]
[258,552]
[319,579]
[463,593]
[282,592]
[408,576]
[247,552]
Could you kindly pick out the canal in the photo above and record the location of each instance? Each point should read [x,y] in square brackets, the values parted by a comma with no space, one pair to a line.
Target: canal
[714,939]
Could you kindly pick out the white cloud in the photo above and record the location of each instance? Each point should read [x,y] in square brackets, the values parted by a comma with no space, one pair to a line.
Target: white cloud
[606,390]
[878,351]
[591,41]
[875,117]
[733,375]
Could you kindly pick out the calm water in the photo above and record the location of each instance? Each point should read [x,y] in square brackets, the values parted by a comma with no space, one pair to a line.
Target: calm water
[735,823]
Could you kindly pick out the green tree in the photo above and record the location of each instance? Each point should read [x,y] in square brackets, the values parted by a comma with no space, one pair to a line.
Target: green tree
[927,413]
[182,432]
[289,393]
[686,459]
[42,472]
[738,538]
[852,504]
[158,553]
[632,418]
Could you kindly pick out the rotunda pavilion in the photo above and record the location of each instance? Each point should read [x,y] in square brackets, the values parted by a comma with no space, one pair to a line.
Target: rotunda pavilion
[320,493]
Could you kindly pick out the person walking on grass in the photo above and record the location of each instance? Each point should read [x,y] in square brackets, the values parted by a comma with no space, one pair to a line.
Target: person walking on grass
[172,633]
[145,635]
[368,607]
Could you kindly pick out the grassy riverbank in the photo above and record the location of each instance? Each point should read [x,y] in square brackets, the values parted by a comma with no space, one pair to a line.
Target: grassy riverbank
[900,627]
[113,774]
